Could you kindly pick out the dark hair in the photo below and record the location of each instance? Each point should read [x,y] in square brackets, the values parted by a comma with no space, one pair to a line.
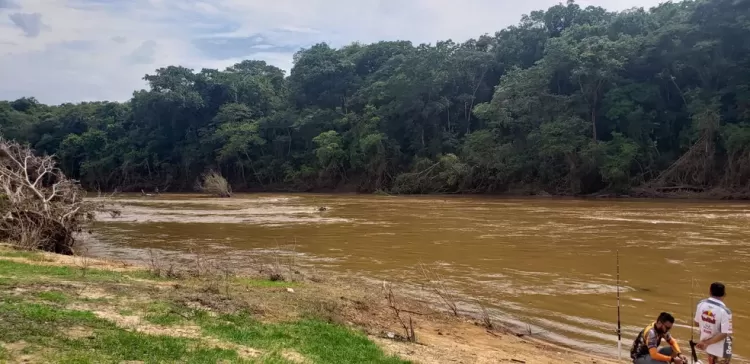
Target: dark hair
[665,317]
[717,289]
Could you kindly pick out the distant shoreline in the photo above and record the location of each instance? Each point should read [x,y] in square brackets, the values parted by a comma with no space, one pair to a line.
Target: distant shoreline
[688,196]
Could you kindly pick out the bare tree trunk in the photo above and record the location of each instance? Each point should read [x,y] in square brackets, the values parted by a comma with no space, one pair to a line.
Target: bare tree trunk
[593,123]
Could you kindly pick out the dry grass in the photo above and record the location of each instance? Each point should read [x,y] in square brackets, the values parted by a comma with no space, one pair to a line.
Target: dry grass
[160,267]
[282,267]
[486,319]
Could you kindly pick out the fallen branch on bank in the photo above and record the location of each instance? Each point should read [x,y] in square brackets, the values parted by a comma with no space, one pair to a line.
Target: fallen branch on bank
[408,328]
[41,208]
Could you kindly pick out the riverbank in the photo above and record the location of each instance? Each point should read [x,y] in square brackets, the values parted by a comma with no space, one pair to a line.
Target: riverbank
[667,193]
[78,309]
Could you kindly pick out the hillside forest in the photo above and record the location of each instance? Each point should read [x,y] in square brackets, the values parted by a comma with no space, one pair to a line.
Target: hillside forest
[569,101]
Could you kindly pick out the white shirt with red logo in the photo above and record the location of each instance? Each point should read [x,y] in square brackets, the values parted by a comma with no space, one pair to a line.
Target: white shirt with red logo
[715,318]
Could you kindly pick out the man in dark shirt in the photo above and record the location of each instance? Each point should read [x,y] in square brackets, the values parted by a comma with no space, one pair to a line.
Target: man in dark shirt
[646,350]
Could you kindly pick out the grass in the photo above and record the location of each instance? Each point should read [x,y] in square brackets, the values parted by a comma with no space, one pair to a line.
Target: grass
[53,296]
[49,327]
[21,271]
[320,341]
[36,323]
[41,321]
[118,345]
[166,314]
[19,254]
[249,282]
[126,312]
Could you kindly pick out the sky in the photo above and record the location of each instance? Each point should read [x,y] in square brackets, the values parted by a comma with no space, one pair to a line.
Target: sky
[87,50]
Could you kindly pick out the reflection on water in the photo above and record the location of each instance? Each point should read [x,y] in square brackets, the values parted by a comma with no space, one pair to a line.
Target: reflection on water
[546,265]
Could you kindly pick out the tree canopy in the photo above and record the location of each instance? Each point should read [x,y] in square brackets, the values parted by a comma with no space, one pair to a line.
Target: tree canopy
[570,100]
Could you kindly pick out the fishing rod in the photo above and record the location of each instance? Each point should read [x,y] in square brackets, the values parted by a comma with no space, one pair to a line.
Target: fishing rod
[692,323]
[619,332]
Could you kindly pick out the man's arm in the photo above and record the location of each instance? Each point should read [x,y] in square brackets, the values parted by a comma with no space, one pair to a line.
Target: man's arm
[656,355]
[652,340]
[725,329]
[715,339]
[675,347]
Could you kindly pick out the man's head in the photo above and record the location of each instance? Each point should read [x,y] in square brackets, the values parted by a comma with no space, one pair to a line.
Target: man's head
[718,290]
[664,322]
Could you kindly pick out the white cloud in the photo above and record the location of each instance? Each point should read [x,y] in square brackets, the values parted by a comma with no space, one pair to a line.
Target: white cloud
[76,50]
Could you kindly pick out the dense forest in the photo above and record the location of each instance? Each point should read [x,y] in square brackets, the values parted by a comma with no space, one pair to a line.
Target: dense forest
[570,100]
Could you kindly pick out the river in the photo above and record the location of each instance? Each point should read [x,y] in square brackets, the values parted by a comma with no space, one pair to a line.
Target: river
[545,265]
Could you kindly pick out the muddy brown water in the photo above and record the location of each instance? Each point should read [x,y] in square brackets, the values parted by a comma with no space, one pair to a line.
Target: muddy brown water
[546,266]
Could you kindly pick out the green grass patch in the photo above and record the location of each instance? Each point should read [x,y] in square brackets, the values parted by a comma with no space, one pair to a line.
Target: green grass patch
[33,314]
[39,272]
[53,296]
[18,254]
[46,326]
[51,331]
[7,282]
[127,312]
[94,300]
[4,354]
[119,345]
[23,270]
[265,283]
[36,323]
[166,314]
[28,349]
[322,342]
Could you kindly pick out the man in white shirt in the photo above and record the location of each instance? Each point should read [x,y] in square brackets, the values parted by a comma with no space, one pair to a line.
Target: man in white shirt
[714,319]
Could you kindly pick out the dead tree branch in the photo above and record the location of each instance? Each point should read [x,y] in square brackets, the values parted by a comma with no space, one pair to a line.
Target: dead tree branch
[407,326]
[41,208]
[213,183]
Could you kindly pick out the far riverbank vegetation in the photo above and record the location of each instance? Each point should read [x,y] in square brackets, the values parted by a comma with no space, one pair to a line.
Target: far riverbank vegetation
[569,101]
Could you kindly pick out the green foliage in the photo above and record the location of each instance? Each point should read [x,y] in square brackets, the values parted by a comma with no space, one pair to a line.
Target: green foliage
[329,150]
[617,160]
[571,100]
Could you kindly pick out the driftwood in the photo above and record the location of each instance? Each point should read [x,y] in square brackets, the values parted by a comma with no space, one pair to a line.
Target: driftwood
[215,184]
[40,207]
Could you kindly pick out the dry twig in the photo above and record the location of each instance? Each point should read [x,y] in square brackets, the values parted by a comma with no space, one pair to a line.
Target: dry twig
[435,282]
[408,329]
